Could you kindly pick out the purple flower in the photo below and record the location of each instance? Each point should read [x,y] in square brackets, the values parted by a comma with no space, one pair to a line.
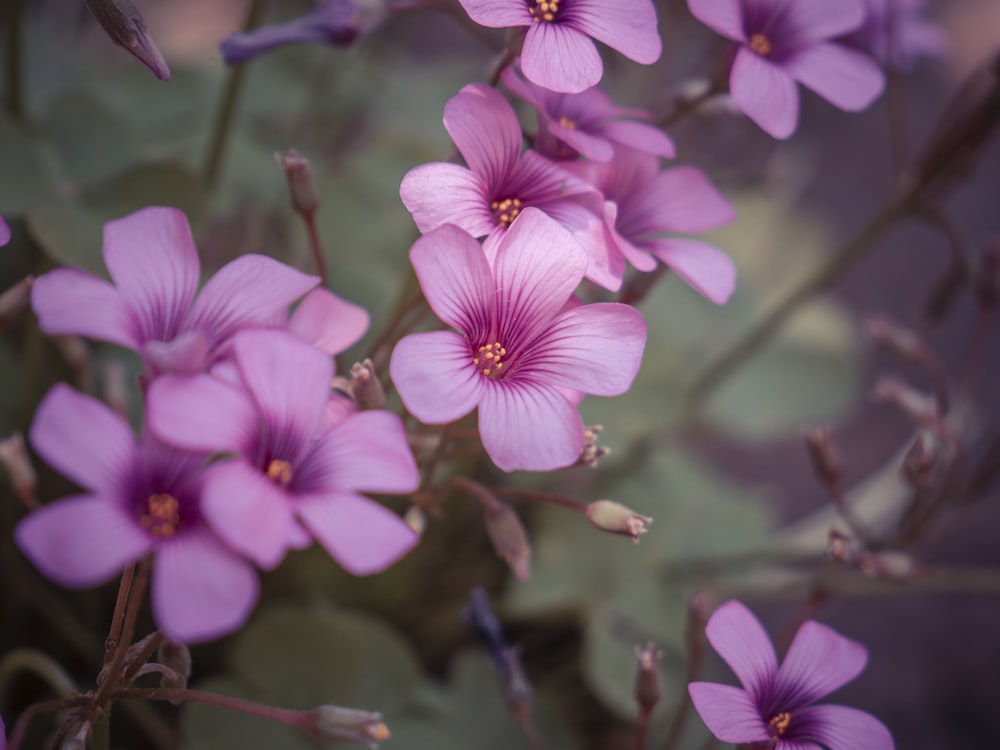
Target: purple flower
[329,323]
[522,354]
[486,198]
[336,22]
[4,233]
[297,471]
[774,709]
[587,124]
[897,33]
[558,52]
[784,41]
[152,308]
[140,499]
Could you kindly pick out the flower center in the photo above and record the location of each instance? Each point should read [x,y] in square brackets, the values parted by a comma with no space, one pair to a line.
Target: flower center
[162,514]
[779,724]
[543,10]
[566,122]
[487,359]
[505,211]
[279,472]
[761,45]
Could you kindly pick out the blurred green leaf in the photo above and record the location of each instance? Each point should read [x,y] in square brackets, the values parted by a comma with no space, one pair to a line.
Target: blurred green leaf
[23,178]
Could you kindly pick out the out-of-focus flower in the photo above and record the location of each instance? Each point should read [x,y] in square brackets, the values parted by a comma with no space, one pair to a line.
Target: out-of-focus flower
[782,43]
[486,198]
[151,307]
[774,709]
[340,23]
[898,33]
[140,498]
[558,51]
[4,232]
[523,355]
[587,124]
[123,22]
[294,466]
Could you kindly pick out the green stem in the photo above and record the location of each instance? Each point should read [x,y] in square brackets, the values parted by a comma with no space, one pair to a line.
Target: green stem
[15,59]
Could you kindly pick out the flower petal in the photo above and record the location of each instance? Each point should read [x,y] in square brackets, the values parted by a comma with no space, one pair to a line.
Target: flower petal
[329,323]
[200,413]
[605,265]
[843,728]
[486,131]
[4,232]
[153,261]
[844,77]
[819,661]
[81,541]
[709,270]
[628,26]
[687,201]
[187,354]
[438,193]
[361,535]
[739,638]
[641,136]
[728,712]
[201,590]
[69,301]
[435,376]
[723,16]
[592,146]
[765,93]
[560,58]
[814,20]
[83,439]
[526,425]
[497,15]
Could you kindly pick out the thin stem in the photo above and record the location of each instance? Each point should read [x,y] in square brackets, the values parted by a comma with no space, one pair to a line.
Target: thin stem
[227,110]
[304,720]
[317,247]
[696,658]
[444,440]
[642,731]
[20,730]
[142,654]
[15,59]
[691,105]
[545,498]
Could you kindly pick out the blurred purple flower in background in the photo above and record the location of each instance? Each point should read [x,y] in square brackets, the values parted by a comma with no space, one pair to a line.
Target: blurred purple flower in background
[558,52]
[773,710]
[897,33]
[787,41]
[4,233]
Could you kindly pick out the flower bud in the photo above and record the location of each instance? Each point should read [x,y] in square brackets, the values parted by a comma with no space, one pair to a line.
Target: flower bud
[824,458]
[124,24]
[339,724]
[301,182]
[910,402]
[21,473]
[365,387]
[177,657]
[592,452]
[615,518]
[15,301]
[416,519]
[508,536]
[647,679]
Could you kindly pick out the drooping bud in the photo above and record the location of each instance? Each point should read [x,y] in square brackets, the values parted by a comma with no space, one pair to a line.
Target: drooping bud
[592,452]
[177,658]
[339,724]
[647,679]
[615,518]
[507,534]
[365,387]
[301,182]
[21,473]
[823,455]
[15,301]
[125,25]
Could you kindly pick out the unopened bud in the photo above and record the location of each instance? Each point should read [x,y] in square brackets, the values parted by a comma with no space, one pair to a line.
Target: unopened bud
[125,25]
[913,404]
[365,387]
[842,548]
[918,464]
[647,679]
[416,519]
[301,182]
[21,473]
[176,656]
[339,724]
[615,518]
[592,452]
[823,455]
[15,301]
[508,536]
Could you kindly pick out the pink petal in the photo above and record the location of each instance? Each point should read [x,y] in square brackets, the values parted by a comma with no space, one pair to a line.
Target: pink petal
[251,290]
[703,266]
[688,201]
[843,728]
[200,413]
[638,257]
[605,265]
[187,354]
[438,193]
[81,541]
[844,77]
[822,19]
[486,131]
[328,322]
[529,426]
[765,93]
[4,233]
[497,15]
[84,439]
[728,712]
[560,58]
[586,144]
[593,348]
[455,278]
[641,136]
[541,180]
[723,16]
[435,376]
[201,590]
[819,661]
[628,26]
[152,259]
[361,535]
[739,638]
[366,451]
[251,513]
[68,301]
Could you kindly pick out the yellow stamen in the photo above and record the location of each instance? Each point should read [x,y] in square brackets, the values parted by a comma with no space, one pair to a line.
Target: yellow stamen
[279,471]
[543,10]
[163,514]
[506,211]
[779,724]
[567,122]
[488,359]
[761,45]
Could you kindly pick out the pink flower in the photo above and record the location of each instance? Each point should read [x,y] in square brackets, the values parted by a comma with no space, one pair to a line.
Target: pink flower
[297,471]
[558,52]
[486,198]
[897,33]
[774,709]
[4,232]
[784,41]
[587,124]
[140,499]
[329,323]
[151,307]
[522,354]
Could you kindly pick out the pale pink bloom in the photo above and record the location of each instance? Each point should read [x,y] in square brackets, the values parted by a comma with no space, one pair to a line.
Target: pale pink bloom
[299,468]
[558,51]
[329,323]
[140,498]
[523,353]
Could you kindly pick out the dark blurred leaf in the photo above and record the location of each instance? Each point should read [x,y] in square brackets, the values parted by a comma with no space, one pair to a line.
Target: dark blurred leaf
[23,179]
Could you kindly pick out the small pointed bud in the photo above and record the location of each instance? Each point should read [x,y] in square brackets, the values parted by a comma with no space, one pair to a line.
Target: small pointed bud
[301,182]
[615,518]
[920,459]
[508,536]
[647,679]
[125,25]
[339,724]
[416,519]
[365,387]
[592,452]
[823,455]
[15,460]
[913,404]
[15,301]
